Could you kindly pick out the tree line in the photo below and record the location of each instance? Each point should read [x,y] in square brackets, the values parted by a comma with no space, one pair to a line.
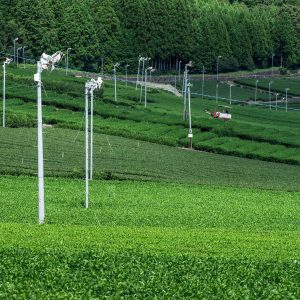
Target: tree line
[168,31]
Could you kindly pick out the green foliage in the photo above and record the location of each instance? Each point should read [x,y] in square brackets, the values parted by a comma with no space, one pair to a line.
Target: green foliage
[130,274]
[279,84]
[121,158]
[167,31]
[163,240]
[253,132]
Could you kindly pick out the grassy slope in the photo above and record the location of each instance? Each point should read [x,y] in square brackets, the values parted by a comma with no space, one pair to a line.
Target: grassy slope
[238,93]
[279,84]
[131,159]
[254,133]
[246,242]
[145,239]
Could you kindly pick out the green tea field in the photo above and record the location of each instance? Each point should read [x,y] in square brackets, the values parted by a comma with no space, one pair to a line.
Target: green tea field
[253,132]
[220,221]
[195,240]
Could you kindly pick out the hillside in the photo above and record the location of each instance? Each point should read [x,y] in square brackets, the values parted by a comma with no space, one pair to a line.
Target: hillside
[137,236]
[252,133]
[122,30]
[220,221]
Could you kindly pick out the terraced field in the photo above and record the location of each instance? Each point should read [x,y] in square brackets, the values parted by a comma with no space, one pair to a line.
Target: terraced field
[239,93]
[279,84]
[122,158]
[164,222]
[253,133]
[197,241]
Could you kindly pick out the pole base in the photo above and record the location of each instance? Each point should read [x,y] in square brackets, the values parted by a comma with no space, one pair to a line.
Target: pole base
[191,143]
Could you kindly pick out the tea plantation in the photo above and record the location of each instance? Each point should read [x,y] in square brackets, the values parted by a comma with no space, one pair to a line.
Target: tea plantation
[253,132]
[217,222]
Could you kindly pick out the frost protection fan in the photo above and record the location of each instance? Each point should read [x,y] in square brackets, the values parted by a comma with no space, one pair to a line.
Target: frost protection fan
[8,61]
[48,61]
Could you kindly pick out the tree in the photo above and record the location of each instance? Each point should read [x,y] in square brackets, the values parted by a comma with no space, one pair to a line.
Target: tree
[78,31]
[37,25]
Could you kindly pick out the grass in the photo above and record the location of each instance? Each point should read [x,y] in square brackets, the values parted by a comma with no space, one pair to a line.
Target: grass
[279,84]
[127,275]
[259,133]
[155,239]
[166,222]
[122,158]
[239,93]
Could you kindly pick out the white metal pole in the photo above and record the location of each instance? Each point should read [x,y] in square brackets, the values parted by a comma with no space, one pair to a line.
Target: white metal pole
[185,94]
[255,95]
[24,56]
[67,64]
[40,147]
[127,75]
[179,69]
[115,75]
[230,96]
[92,133]
[145,88]
[270,97]
[143,70]
[203,70]
[67,61]
[4,98]
[18,49]
[272,63]
[286,100]
[276,101]
[217,93]
[190,115]
[86,146]
[138,73]
[183,82]
[15,48]
[218,67]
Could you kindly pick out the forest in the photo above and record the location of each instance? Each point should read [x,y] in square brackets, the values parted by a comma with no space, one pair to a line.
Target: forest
[245,33]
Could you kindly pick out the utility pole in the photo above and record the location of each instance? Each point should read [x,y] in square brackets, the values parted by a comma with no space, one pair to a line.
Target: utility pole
[143,70]
[270,95]
[146,72]
[18,49]
[138,73]
[46,62]
[230,93]
[87,145]
[179,69]
[286,99]
[7,62]
[115,77]
[15,48]
[203,71]
[24,56]
[152,70]
[40,145]
[273,64]
[255,96]
[218,58]
[190,134]
[126,67]
[67,58]
[90,86]
[185,80]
